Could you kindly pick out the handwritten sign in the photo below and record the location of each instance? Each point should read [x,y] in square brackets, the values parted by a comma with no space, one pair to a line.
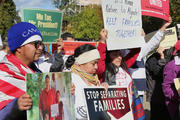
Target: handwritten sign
[169,39]
[108,105]
[122,19]
[49,22]
[156,8]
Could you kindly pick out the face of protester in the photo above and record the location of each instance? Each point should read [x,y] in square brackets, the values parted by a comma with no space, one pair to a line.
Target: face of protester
[29,52]
[70,39]
[39,50]
[90,67]
[47,83]
[116,57]
[60,44]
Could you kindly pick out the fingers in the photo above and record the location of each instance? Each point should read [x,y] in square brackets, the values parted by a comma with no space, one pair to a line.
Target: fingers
[105,85]
[72,89]
[24,102]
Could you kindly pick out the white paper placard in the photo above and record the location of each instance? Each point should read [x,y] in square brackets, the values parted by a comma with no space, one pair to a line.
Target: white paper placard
[122,19]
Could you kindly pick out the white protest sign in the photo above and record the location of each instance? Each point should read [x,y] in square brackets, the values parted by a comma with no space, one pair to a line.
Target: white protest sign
[169,39]
[122,19]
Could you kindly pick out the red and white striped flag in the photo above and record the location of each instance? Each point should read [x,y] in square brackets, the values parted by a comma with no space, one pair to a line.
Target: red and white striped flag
[12,79]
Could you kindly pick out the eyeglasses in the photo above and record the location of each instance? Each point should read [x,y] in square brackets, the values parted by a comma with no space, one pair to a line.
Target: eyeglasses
[37,44]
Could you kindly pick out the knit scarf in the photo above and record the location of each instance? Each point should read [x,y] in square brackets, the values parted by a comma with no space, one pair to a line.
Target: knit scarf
[88,78]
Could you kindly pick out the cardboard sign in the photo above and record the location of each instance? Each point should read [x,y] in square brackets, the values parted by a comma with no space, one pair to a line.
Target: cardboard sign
[69,46]
[49,22]
[169,39]
[156,8]
[108,105]
[122,19]
[54,103]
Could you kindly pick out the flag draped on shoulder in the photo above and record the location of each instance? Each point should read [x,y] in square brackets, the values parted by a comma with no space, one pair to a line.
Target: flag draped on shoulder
[12,79]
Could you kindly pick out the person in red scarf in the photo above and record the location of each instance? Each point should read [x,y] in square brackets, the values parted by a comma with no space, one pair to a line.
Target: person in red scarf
[24,41]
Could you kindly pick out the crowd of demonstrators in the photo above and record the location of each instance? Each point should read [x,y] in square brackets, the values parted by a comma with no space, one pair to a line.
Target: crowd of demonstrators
[114,70]
[90,66]
[172,71]
[24,42]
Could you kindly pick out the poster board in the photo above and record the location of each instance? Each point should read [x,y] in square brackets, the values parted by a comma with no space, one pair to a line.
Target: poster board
[122,19]
[57,103]
[69,46]
[108,105]
[49,22]
[169,39]
[156,8]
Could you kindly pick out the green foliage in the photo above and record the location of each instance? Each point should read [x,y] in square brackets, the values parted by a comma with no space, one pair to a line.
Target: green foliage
[8,16]
[87,24]
[35,84]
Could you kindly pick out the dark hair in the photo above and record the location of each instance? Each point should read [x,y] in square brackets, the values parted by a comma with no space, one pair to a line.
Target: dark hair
[168,54]
[47,76]
[65,35]
[44,113]
[78,51]
[111,69]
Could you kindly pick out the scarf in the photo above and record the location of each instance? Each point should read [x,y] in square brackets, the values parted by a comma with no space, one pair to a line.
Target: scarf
[88,78]
[12,79]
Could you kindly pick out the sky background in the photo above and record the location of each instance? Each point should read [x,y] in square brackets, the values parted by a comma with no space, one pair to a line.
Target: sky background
[43,4]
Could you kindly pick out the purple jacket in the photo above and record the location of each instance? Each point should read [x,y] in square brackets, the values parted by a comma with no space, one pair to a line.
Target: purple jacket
[171,71]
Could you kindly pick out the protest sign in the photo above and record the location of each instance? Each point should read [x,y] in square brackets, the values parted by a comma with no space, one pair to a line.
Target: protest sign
[49,22]
[108,105]
[69,46]
[156,8]
[51,97]
[122,19]
[177,85]
[169,39]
